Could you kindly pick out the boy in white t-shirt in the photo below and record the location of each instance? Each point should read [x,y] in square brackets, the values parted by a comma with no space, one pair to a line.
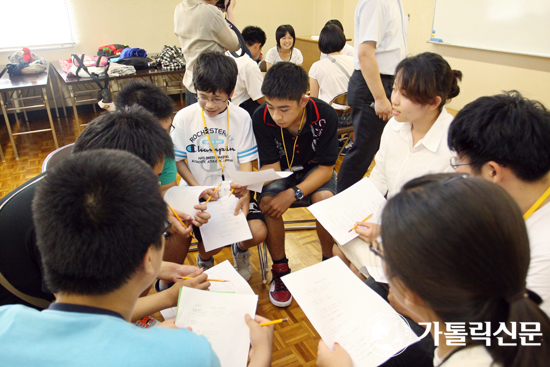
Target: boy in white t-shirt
[211,135]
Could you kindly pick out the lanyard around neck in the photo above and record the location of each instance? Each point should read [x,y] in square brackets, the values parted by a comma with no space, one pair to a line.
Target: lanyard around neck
[295,141]
[537,204]
[226,152]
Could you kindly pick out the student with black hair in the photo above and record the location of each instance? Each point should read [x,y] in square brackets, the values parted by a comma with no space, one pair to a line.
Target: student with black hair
[132,129]
[329,76]
[455,250]
[505,139]
[248,89]
[298,134]
[255,38]
[347,49]
[100,222]
[285,50]
[209,137]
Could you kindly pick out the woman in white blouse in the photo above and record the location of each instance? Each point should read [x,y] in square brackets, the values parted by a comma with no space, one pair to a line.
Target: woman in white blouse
[414,141]
[285,50]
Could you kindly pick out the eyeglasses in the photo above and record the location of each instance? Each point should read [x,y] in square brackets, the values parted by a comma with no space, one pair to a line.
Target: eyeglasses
[167,226]
[215,100]
[376,248]
[455,163]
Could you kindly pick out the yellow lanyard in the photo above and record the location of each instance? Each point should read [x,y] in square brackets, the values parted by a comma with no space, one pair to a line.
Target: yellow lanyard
[226,153]
[537,204]
[295,141]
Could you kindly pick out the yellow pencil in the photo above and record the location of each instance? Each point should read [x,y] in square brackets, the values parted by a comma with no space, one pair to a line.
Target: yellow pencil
[215,191]
[210,280]
[231,193]
[177,216]
[273,322]
[355,226]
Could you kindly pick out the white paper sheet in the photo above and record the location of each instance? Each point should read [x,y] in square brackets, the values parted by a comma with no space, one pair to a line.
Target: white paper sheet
[225,271]
[223,227]
[184,198]
[220,318]
[345,310]
[255,180]
[339,213]
[235,284]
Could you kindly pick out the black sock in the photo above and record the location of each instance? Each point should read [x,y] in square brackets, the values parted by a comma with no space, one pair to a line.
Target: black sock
[284,260]
[325,258]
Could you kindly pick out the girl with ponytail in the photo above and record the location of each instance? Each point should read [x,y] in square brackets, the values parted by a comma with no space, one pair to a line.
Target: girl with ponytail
[414,141]
[455,250]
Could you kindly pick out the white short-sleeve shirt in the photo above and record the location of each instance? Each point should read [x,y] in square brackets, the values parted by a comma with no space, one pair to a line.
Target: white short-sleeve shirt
[382,21]
[249,80]
[191,142]
[398,162]
[347,50]
[332,80]
[538,276]
[273,56]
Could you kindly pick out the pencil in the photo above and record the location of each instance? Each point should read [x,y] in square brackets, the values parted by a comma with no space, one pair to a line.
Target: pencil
[231,193]
[210,280]
[177,216]
[355,226]
[215,191]
[273,322]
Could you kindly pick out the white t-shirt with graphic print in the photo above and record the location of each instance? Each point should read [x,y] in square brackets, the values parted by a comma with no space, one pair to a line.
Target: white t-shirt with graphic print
[191,142]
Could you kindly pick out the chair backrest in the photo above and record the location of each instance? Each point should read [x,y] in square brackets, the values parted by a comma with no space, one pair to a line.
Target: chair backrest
[341,99]
[57,156]
[263,66]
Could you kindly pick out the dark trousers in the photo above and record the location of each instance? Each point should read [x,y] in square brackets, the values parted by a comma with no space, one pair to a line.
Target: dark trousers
[250,106]
[190,98]
[367,127]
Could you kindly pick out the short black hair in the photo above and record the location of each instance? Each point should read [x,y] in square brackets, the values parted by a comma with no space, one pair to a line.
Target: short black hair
[148,96]
[96,214]
[337,23]
[253,35]
[214,71]
[132,129]
[285,80]
[506,128]
[331,39]
[281,31]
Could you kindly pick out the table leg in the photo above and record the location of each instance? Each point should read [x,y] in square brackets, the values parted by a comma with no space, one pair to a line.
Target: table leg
[8,125]
[2,154]
[50,82]
[45,96]
[73,99]
[61,94]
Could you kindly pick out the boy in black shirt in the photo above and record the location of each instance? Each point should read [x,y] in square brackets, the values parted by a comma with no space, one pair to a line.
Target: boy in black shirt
[296,133]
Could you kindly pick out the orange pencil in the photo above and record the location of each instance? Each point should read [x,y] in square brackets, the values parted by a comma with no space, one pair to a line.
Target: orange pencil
[215,191]
[177,216]
[210,280]
[273,322]
[355,226]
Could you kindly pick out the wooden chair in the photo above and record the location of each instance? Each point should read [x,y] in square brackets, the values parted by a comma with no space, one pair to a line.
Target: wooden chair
[57,156]
[342,99]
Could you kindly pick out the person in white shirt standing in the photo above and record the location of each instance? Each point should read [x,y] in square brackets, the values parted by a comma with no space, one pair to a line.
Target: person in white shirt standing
[380,44]
[330,76]
[200,26]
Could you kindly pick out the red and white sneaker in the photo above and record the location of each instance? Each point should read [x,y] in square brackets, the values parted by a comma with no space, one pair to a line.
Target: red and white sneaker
[278,293]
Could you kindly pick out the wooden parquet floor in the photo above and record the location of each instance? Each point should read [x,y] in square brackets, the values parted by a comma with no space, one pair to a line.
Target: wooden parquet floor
[295,342]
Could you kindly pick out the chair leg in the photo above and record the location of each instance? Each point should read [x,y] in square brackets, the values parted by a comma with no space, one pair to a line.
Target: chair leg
[262,254]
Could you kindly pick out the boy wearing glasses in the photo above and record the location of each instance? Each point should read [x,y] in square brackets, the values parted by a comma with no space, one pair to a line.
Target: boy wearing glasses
[299,134]
[212,135]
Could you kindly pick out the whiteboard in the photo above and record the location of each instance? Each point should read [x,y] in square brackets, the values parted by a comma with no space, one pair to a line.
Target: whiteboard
[516,26]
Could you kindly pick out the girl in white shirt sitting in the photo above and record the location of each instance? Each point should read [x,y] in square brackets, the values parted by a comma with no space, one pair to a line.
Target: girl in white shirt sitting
[455,250]
[414,141]
[329,76]
[284,51]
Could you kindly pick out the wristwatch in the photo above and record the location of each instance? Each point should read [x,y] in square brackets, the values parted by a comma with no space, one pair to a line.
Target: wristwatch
[298,194]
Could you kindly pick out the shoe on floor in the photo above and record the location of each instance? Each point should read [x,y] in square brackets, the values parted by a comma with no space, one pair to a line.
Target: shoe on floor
[241,261]
[205,264]
[279,294]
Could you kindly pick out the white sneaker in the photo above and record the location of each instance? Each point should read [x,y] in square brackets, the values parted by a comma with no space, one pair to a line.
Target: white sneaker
[242,262]
[205,264]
